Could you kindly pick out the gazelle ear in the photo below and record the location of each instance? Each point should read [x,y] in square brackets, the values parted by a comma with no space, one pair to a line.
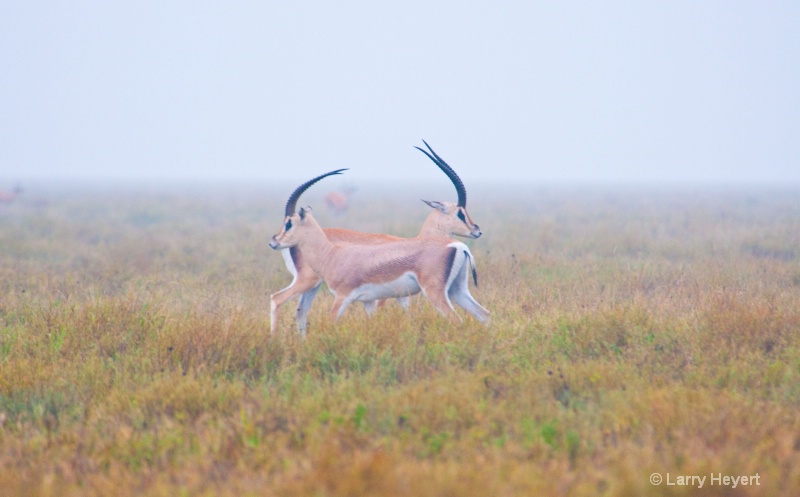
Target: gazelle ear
[436,205]
[302,213]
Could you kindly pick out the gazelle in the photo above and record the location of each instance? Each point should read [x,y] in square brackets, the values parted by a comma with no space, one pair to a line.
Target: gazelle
[339,201]
[435,265]
[446,219]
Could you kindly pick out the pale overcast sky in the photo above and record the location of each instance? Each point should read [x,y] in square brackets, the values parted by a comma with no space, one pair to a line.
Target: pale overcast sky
[280,91]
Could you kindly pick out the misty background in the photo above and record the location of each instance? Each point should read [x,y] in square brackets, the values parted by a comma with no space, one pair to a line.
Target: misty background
[266,92]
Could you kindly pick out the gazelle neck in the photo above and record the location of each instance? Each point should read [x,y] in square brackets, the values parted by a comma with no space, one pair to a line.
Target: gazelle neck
[436,224]
[313,242]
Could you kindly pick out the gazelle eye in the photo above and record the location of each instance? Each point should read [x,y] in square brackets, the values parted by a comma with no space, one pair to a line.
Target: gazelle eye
[461,216]
[288,225]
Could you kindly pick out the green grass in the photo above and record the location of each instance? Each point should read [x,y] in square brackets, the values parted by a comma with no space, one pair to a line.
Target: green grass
[632,333]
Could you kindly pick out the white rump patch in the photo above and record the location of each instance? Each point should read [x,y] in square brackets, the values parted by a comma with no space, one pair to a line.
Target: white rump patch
[460,246]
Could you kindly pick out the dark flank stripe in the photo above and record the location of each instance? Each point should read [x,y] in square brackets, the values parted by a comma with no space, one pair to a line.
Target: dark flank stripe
[451,257]
[294,253]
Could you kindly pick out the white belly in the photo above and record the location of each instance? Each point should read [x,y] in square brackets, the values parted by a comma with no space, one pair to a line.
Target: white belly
[405,285]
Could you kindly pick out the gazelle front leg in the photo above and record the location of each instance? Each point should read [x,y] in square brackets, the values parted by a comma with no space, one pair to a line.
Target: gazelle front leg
[300,286]
[276,300]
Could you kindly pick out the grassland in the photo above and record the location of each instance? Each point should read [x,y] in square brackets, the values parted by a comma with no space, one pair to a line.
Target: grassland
[634,332]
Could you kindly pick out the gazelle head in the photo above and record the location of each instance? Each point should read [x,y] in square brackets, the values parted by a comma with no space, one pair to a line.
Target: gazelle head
[294,220]
[450,218]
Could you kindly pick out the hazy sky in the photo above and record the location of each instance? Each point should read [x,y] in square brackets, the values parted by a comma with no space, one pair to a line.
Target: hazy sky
[263,91]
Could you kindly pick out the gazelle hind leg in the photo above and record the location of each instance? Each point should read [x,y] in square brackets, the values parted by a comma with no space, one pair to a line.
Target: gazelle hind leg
[459,294]
[444,306]
[463,299]
[436,296]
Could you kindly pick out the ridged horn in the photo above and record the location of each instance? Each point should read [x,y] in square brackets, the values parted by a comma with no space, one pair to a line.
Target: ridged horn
[291,204]
[460,189]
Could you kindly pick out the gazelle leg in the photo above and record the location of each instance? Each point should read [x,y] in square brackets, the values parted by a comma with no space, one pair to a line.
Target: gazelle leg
[459,294]
[438,299]
[468,303]
[306,299]
[403,301]
[277,299]
[372,306]
[340,304]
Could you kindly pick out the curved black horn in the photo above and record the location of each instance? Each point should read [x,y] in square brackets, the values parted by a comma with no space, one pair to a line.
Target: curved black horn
[462,191]
[291,204]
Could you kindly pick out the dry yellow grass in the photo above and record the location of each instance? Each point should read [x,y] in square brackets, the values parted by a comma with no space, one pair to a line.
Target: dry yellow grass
[634,332]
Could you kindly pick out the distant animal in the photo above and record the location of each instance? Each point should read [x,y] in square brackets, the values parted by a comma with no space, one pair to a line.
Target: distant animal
[8,197]
[339,201]
[446,220]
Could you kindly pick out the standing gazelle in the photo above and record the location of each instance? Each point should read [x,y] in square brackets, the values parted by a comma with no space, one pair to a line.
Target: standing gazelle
[446,219]
[436,265]
[339,201]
